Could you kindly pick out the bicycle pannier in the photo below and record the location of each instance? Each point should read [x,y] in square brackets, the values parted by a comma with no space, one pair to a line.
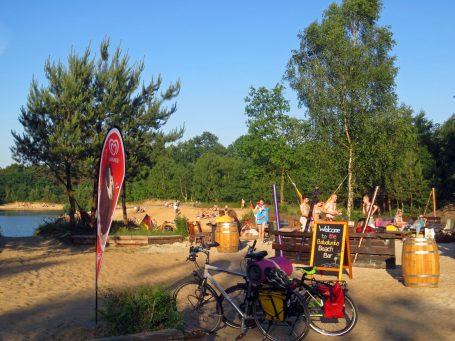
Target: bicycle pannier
[272,303]
[334,300]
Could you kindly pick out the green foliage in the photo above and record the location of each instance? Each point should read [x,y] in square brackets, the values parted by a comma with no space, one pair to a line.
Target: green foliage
[190,151]
[19,183]
[343,73]
[144,309]
[65,122]
[218,178]
[61,228]
[181,225]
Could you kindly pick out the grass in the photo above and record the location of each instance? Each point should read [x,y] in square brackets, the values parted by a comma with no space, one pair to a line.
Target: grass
[59,228]
[144,309]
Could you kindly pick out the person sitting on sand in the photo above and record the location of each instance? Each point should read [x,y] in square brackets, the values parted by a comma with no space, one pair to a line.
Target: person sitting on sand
[248,230]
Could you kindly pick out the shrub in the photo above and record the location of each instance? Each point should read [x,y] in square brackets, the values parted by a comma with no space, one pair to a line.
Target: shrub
[248,216]
[60,228]
[180,225]
[147,308]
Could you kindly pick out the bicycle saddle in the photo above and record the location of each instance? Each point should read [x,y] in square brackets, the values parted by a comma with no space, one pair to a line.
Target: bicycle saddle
[307,270]
[257,255]
[214,244]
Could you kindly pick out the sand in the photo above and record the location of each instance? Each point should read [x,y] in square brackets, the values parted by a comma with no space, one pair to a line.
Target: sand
[160,213]
[47,291]
[135,212]
[31,206]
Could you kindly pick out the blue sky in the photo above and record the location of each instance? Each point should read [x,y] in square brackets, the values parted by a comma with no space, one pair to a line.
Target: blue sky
[218,49]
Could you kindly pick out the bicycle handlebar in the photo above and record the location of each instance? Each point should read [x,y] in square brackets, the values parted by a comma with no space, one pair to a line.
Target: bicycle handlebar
[204,248]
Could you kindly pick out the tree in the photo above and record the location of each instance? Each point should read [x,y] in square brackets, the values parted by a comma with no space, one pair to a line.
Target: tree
[273,135]
[445,137]
[54,121]
[217,178]
[344,75]
[137,110]
[65,123]
[191,150]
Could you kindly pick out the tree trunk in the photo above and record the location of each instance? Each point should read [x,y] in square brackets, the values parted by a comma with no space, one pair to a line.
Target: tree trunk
[282,188]
[350,190]
[390,205]
[94,201]
[70,193]
[125,216]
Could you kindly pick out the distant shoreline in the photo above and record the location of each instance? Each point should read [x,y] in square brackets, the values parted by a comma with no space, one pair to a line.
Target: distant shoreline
[31,206]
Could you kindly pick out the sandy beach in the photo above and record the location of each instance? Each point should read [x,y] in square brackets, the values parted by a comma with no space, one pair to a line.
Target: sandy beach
[47,291]
[47,288]
[31,206]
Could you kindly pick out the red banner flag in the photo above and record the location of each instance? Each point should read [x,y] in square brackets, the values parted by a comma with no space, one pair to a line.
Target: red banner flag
[110,180]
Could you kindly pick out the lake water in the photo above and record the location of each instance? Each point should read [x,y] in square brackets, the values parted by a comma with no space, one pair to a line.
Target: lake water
[23,223]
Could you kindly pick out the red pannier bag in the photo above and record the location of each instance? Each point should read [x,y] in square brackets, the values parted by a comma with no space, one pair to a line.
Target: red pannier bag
[334,300]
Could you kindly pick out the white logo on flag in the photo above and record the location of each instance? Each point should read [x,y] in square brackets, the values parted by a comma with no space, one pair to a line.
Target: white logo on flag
[113,146]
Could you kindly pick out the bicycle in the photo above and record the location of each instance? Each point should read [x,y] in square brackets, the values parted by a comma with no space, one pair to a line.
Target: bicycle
[204,310]
[197,302]
[291,325]
[314,299]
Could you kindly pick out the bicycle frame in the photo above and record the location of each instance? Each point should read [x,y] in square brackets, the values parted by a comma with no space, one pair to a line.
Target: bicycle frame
[209,277]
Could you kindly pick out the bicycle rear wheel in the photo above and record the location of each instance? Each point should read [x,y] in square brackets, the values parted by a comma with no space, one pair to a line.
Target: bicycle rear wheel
[295,323]
[199,306]
[331,326]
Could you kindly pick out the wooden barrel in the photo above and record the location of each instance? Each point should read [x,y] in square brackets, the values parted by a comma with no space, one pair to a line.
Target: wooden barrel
[227,235]
[420,262]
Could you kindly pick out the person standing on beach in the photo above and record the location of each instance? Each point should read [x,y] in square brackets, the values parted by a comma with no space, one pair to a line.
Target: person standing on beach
[366,208]
[261,213]
[330,208]
[304,211]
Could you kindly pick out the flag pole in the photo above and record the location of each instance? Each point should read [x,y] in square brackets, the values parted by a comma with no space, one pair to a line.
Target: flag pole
[96,281]
[277,216]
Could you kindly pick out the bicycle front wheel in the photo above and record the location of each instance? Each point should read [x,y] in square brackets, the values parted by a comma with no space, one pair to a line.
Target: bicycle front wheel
[294,324]
[330,326]
[237,294]
[199,306]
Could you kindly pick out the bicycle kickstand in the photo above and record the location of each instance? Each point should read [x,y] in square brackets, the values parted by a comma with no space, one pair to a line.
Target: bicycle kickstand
[243,329]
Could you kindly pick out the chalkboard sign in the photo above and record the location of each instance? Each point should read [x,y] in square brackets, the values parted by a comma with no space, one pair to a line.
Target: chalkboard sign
[330,250]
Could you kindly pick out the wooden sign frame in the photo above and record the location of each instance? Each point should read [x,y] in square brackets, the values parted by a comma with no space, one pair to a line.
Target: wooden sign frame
[345,252]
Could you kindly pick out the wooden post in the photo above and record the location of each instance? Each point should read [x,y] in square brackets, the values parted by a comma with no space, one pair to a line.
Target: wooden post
[434,201]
